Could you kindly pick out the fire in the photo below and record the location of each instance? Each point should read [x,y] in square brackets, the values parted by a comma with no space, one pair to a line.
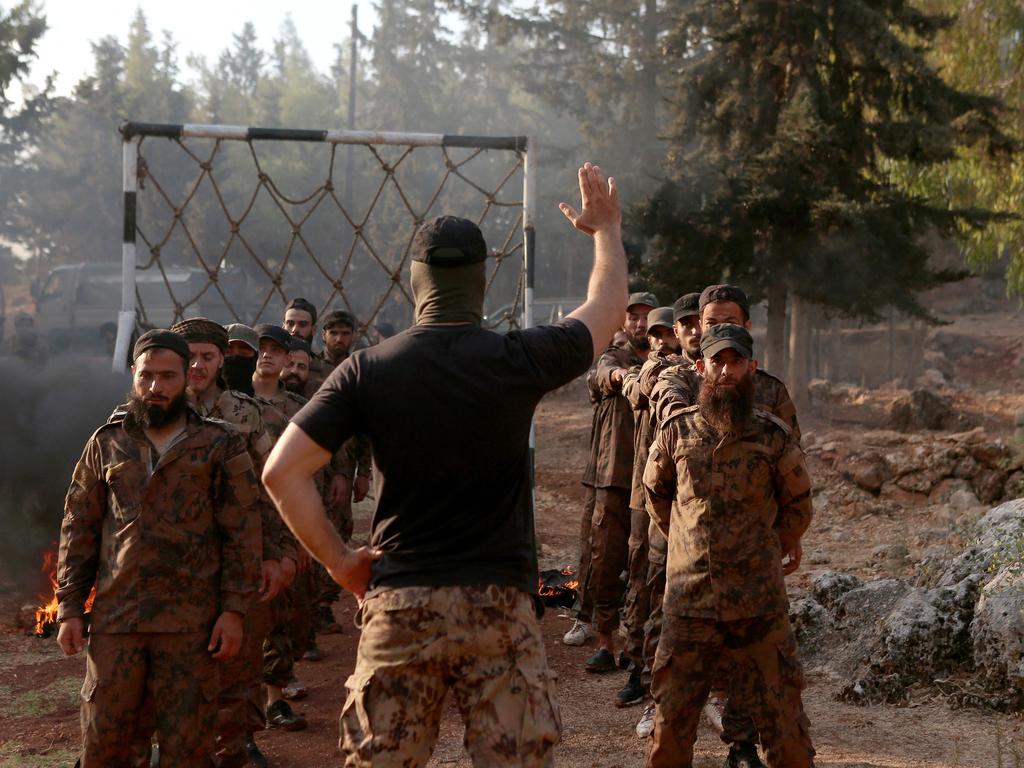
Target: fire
[551,586]
[46,613]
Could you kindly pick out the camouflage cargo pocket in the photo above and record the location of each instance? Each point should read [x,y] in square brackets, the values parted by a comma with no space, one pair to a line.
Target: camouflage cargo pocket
[356,730]
[542,719]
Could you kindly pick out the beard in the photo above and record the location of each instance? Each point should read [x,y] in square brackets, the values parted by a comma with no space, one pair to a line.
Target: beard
[726,408]
[149,415]
[639,342]
[293,383]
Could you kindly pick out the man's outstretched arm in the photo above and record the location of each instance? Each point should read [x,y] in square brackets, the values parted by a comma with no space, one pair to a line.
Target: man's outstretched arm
[288,477]
[607,290]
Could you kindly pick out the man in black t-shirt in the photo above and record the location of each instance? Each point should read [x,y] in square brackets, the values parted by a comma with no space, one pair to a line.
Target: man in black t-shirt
[448,582]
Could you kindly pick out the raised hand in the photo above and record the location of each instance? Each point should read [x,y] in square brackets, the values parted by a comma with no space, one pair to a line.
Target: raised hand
[599,201]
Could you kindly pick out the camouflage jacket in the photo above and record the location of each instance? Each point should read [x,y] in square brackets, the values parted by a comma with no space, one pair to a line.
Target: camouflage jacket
[679,385]
[168,549]
[611,436]
[636,388]
[319,370]
[244,413]
[734,503]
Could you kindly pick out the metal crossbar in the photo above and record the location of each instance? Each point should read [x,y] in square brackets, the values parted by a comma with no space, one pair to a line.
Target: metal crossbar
[358,258]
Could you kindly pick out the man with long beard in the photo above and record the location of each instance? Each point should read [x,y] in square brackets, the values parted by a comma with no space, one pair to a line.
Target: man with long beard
[162,492]
[727,485]
[610,470]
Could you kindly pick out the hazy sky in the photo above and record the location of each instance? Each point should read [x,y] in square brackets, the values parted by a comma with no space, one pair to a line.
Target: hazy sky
[199,26]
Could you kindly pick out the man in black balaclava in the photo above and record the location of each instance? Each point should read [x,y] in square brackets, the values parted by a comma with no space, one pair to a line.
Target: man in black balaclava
[241,358]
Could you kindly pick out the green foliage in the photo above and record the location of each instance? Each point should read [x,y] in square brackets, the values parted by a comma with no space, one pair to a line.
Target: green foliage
[786,118]
[982,51]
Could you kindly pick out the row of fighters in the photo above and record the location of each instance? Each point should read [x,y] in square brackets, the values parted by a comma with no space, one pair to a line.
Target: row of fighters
[648,381]
[253,381]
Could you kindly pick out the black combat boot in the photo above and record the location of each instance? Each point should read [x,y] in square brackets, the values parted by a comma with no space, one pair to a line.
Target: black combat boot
[743,754]
[632,692]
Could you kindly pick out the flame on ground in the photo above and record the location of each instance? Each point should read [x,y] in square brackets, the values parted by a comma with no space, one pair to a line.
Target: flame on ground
[46,613]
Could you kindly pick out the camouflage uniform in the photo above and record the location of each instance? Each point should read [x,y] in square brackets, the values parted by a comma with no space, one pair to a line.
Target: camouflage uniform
[584,606]
[637,388]
[735,503]
[291,615]
[396,694]
[241,708]
[612,463]
[170,542]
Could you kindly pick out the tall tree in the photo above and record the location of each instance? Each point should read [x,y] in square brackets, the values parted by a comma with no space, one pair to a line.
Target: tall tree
[784,116]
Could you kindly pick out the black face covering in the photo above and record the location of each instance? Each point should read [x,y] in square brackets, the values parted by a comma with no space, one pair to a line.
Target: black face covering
[238,371]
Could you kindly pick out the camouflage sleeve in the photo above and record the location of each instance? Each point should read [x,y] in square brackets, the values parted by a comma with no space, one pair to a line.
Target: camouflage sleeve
[632,390]
[342,462]
[259,444]
[80,534]
[240,532]
[786,410]
[660,481]
[671,392]
[362,455]
[792,493]
[607,363]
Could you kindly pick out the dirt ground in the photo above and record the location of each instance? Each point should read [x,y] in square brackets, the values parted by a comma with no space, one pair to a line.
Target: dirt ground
[39,688]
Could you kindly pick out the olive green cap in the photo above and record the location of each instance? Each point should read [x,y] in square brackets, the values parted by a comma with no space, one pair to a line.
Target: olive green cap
[642,297]
[726,336]
[661,316]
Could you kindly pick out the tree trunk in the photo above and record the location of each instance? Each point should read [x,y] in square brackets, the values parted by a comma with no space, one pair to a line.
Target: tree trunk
[774,352]
[799,351]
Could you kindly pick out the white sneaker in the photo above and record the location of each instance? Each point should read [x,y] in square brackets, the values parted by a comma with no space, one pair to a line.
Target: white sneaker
[645,727]
[579,633]
[714,709]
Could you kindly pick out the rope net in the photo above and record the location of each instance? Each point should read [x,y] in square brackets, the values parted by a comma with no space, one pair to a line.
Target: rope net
[234,229]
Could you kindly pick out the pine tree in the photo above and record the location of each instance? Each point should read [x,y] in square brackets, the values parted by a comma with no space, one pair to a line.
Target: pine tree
[785,114]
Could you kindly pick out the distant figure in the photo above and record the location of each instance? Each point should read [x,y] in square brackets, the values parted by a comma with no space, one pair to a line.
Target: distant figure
[26,344]
[448,585]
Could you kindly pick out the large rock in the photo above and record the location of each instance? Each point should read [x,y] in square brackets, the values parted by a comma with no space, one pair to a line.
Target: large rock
[921,409]
[829,587]
[868,470]
[1000,537]
[997,635]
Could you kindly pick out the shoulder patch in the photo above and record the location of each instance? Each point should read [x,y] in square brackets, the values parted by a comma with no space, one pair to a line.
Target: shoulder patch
[772,418]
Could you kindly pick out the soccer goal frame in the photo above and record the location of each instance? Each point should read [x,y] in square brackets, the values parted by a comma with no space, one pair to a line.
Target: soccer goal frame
[133,134]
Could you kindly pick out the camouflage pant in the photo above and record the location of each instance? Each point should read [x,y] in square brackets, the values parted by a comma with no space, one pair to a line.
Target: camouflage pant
[288,638]
[241,693]
[584,604]
[638,590]
[657,553]
[761,657]
[482,643]
[168,679]
[609,556]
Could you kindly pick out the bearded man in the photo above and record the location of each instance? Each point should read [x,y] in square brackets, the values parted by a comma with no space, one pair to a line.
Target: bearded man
[161,492]
[727,485]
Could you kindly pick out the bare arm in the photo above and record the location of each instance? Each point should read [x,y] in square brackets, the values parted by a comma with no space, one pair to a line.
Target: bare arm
[607,291]
[289,479]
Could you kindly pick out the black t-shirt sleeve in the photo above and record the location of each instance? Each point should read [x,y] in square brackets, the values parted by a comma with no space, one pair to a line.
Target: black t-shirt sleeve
[331,416]
[559,352]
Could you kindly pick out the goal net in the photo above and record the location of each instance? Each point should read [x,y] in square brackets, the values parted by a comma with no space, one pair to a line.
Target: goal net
[231,222]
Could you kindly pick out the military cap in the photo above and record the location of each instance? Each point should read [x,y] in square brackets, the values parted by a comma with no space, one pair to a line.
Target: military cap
[661,316]
[160,338]
[300,345]
[726,336]
[686,305]
[244,334]
[725,292]
[339,317]
[199,329]
[275,333]
[642,297]
[303,305]
[449,241]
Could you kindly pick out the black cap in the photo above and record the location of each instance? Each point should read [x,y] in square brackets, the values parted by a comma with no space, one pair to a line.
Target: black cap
[686,305]
[449,241]
[275,333]
[726,336]
[725,292]
[305,306]
[300,345]
[159,338]
[339,317]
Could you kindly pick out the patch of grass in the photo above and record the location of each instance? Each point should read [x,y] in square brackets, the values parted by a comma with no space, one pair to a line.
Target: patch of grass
[14,755]
[59,695]
[28,658]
